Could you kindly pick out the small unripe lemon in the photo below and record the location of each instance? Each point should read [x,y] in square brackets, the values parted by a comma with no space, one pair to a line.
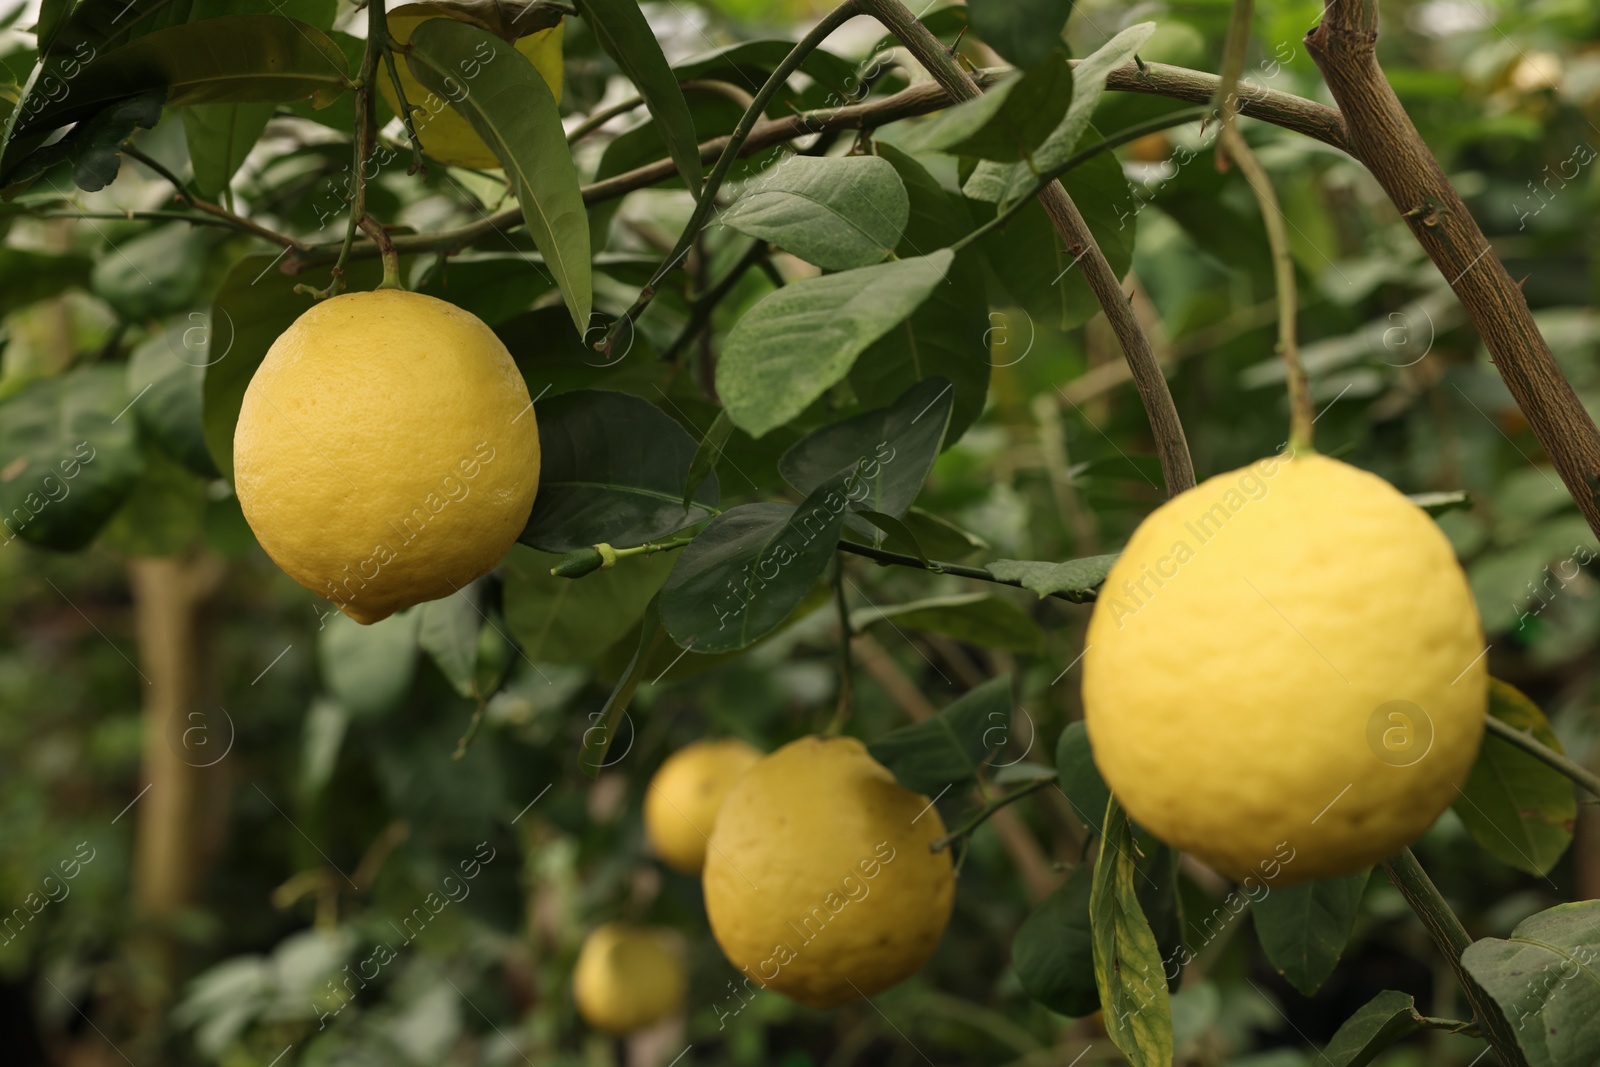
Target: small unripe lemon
[628,977]
[819,882]
[444,133]
[1284,672]
[386,451]
[685,795]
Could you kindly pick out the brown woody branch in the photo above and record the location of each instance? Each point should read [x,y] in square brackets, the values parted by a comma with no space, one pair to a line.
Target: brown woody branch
[1382,137]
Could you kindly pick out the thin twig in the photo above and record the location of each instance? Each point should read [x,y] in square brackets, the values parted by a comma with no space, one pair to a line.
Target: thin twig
[841,711]
[706,305]
[219,215]
[1073,596]
[1226,99]
[987,810]
[1580,774]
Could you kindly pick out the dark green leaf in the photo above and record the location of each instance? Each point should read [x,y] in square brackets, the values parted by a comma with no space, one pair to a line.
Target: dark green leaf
[938,537]
[220,136]
[1024,32]
[255,59]
[1077,577]
[1053,952]
[505,98]
[94,146]
[704,464]
[1304,928]
[1382,1021]
[800,340]
[1128,969]
[559,620]
[889,451]
[1009,121]
[947,750]
[837,212]
[607,722]
[28,277]
[492,286]
[1079,778]
[327,721]
[947,337]
[981,619]
[612,470]
[447,630]
[1546,979]
[622,31]
[164,514]
[70,457]
[887,530]
[158,272]
[1520,809]
[170,382]
[1162,904]
[368,668]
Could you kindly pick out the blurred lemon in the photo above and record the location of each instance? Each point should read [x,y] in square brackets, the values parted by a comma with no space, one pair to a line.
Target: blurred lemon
[628,977]
[445,135]
[819,882]
[1284,674]
[686,794]
[386,452]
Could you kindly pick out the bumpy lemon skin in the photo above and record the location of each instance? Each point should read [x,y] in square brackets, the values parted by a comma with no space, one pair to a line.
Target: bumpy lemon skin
[445,135]
[818,882]
[387,451]
[687,791]
[1283,674]
[627,978]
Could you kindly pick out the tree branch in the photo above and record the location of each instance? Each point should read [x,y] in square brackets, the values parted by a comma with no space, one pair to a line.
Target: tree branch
[1383,138]
[1580,774]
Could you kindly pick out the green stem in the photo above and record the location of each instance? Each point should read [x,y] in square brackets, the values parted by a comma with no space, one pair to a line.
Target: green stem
[1226,98]
[1567,766]
[706,199]
[960,571]
[841,712]
[700,314]
[391,258]
[1301,415]
[1452,939]
[418,164]
[1049,177]
[987,810]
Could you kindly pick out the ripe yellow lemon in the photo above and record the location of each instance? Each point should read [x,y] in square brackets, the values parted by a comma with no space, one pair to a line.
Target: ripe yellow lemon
[685,795]
[386,451]
[1284,674]
[445,135]
[628,977]
[819,882]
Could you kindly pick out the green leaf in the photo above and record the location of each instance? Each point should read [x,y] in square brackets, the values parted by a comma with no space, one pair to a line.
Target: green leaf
[29,277]
[1520,809]
[1007,122]
[505,98]
[559,620]
[947,750]
[946,337]
[243,59]
[1382,1021]
[747,570]
[835,211]
[170,384]
[1546,979]
[220,136]
[164,514]
[1128,969]
[888,452]
[798,341]
[981,619]
[1079,578]
[327,721]
[449,631]
[157,272]
[597,738]
[921,534]
[1079,778]
[704,464]
[1053,951]
[70,457]
[1304,928]
[491,285]
[622,31]
[612,470]
[94,145]
[1024,32]
[368,668]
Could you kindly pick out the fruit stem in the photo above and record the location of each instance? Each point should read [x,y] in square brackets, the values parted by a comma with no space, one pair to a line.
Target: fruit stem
[841,712]
[1301,417]
[987,810]
[391,259]
[418,164]
[1225,101]
[1074,596]
[1452,939]
[1569,767]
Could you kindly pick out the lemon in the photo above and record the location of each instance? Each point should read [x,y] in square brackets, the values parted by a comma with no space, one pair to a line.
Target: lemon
[1284,672]
[386,451]
[444,133]
[819,882]
[628,977]
[685,795]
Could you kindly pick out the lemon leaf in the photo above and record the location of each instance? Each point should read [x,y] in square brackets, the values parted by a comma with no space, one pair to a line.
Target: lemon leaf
[1382,1021]
[1128,969]
[1546,980]
[981,619]
[1080,779]
[1053,951]
[597,739]
[1009,121]
[933,755]
[1022,31]
[507,101]
[1304,928]
[836,212]
[1080,577]
[558,620]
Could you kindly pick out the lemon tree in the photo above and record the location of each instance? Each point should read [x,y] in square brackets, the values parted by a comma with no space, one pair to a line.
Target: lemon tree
[597,533]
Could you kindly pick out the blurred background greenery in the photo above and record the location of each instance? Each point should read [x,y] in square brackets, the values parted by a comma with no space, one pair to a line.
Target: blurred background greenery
[323,802]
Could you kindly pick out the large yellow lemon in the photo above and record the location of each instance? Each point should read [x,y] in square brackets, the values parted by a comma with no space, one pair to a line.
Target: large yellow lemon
[628,977]
[386,451]
[685,795]
[819,882]
[445,135]
[1284,672]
